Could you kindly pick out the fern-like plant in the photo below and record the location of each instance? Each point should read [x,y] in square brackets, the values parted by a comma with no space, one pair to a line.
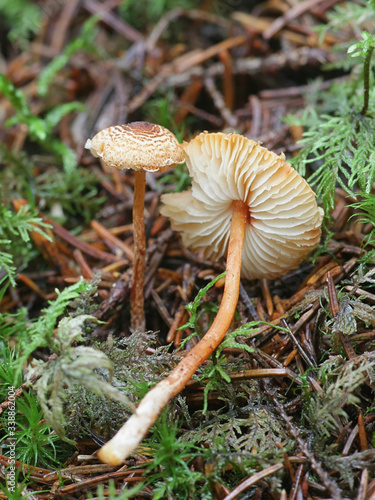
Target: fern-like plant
[326,412]
[14,228]
[23,19]
[73,365]
[40,129]
[36,443]
[84,42]
[169,473]
[339,143]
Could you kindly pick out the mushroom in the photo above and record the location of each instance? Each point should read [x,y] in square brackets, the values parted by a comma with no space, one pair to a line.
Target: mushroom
[245,201]
[143,147]
[283,217]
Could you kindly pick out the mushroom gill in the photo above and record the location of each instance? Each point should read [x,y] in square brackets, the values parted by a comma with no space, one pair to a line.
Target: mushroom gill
[284,223]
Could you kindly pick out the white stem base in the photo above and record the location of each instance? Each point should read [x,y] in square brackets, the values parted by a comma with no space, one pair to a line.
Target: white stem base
[135,429]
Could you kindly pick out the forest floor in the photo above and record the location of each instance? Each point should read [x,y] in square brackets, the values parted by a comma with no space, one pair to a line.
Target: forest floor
[286,409]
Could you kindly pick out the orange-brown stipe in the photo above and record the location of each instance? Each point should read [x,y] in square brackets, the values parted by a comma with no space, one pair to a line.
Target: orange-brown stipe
[135,429]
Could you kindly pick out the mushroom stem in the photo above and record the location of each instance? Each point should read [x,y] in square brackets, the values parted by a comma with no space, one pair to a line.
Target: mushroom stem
[137,313]
[135,429]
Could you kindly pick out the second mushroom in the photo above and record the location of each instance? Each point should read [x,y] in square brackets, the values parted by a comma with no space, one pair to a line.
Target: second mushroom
[143,147]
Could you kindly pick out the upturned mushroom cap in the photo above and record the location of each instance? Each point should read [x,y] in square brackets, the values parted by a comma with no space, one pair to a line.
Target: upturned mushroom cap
[284,219]
[137,145]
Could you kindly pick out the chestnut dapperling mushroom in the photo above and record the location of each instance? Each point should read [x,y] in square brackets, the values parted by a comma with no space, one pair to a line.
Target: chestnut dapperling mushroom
[283,220]
[143,147]
[245,202]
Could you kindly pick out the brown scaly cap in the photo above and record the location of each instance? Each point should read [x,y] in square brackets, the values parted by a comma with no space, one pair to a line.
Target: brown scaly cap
[284,219]
[137,145]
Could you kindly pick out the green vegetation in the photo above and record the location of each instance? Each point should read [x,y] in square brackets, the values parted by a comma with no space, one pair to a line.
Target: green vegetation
[41,130]
[150,11]
[73,367]
[325,412]
[13,227]
[339,138]
[193,307]
[85,42]
[113,494]
[73,188]
[36,443]
[170,470]
[23,18]
[84,384]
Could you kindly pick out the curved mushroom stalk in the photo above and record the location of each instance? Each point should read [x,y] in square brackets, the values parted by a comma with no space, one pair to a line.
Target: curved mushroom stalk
[135,429]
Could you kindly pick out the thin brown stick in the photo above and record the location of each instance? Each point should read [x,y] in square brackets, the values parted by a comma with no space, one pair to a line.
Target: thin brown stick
[349,442]
[113,21]
[62,25]
[291,14]
[361,495]
[316,465]
[267,295]
[362,433]
[333,301]
[219,102]
[137,313]
[296,486]
[228,79]
[81,245]
[86,270]
[108,235]
[135,429]
[253,480]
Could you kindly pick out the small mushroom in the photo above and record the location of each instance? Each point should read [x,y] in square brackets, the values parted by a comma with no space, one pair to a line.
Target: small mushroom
[245,202]
[143,147]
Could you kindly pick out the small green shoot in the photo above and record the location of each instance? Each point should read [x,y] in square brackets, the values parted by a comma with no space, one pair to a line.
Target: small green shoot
[84,42]
[20,490]
[365,48]
[248,330]
[192,307]
[212,377]
[34,437]
[8,375]
[16,226]
[41,129]
[169,473]
[23,18]
[112,493]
